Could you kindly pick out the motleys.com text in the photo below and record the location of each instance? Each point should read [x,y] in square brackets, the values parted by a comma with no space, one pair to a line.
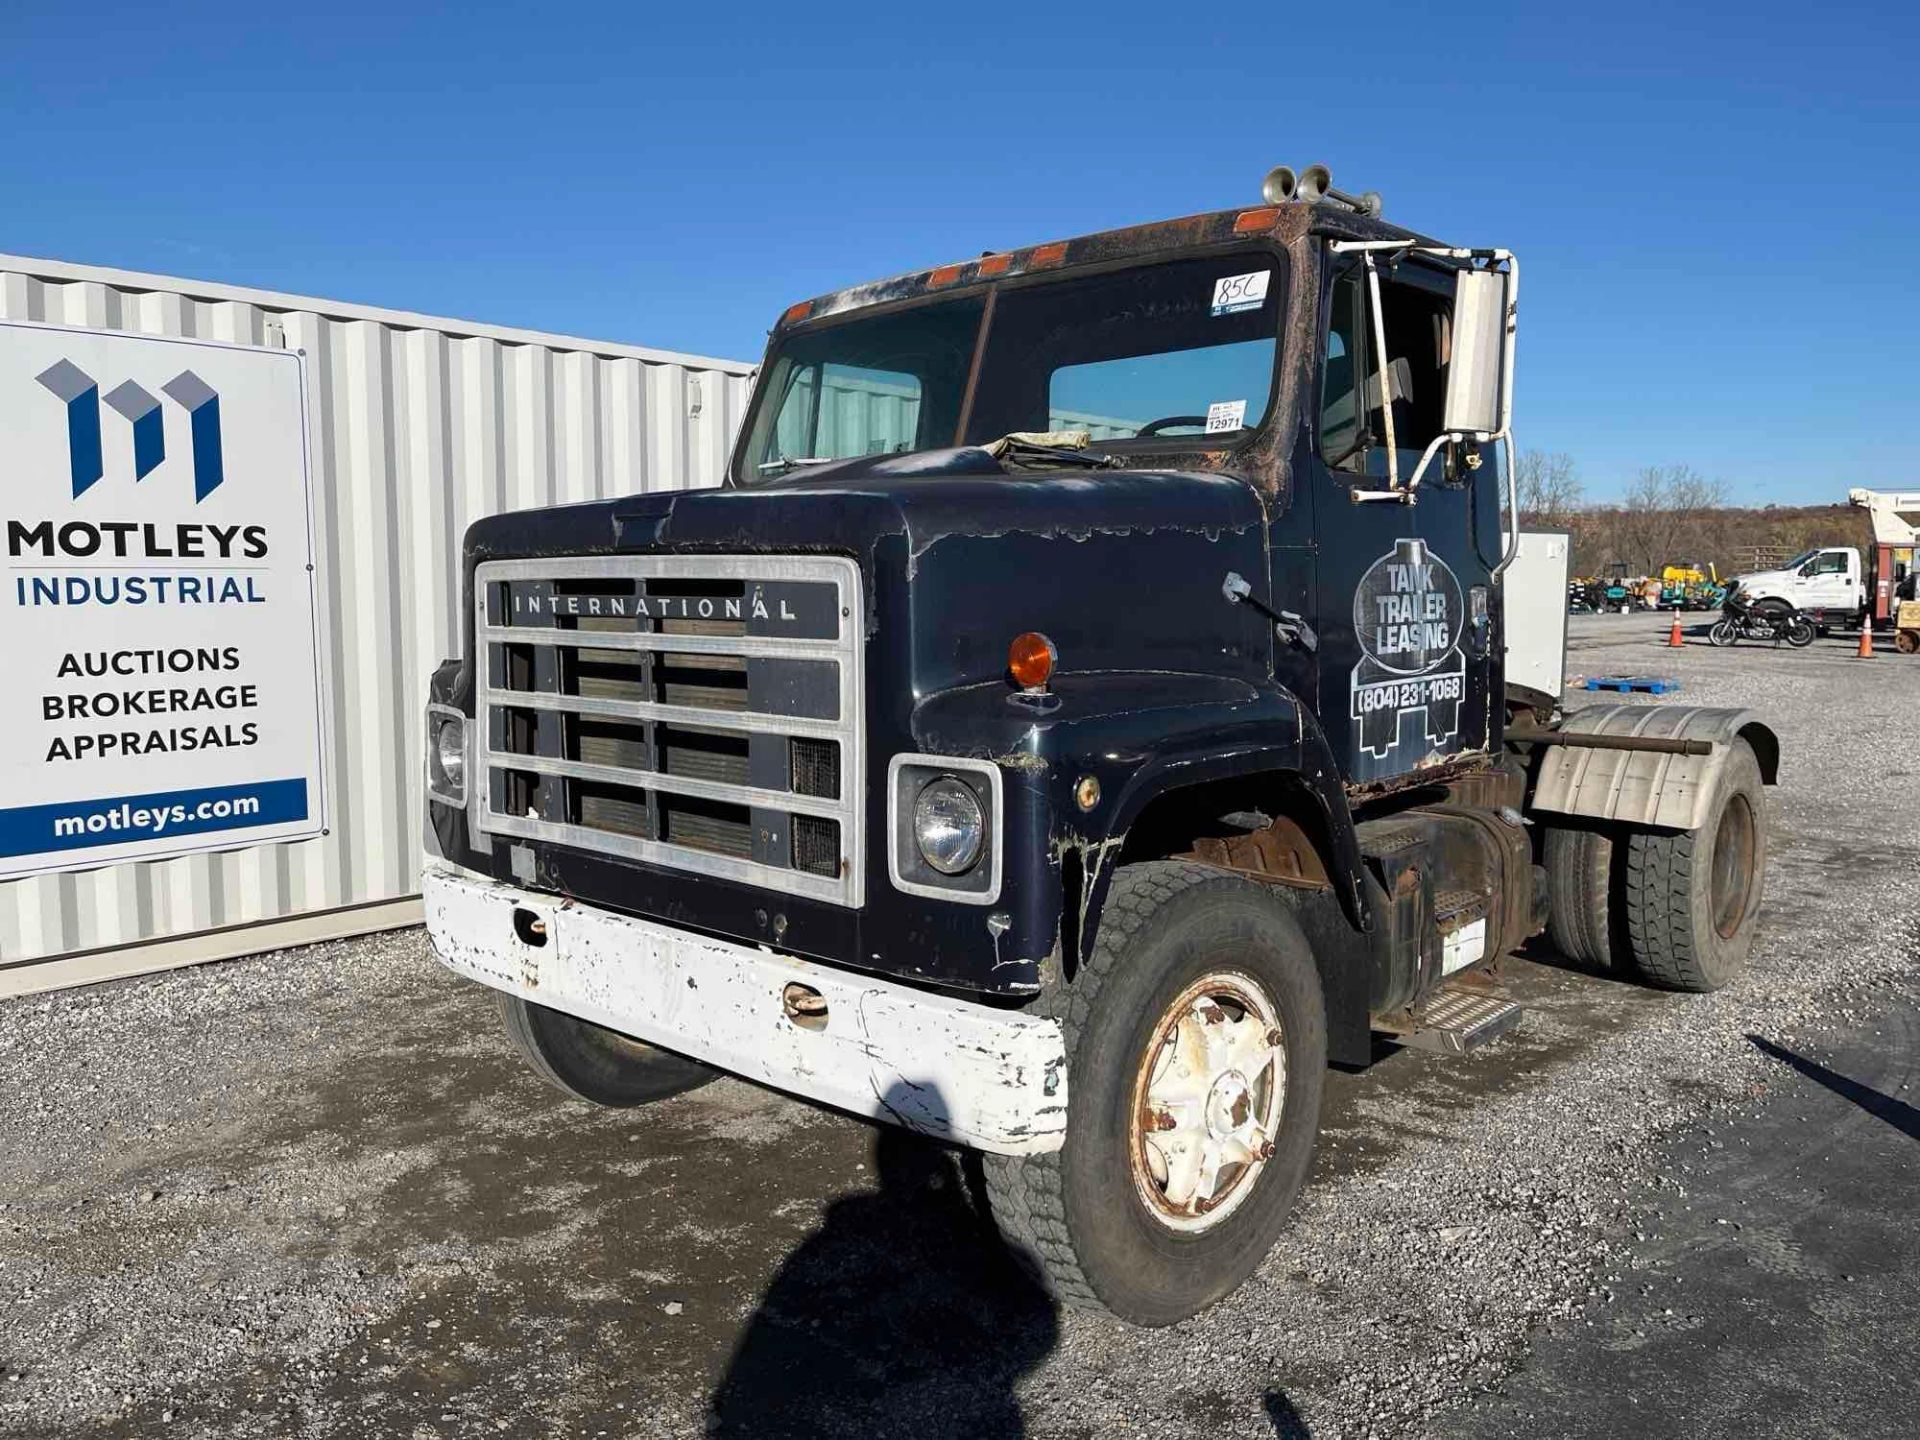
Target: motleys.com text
[105,821]
[155,820]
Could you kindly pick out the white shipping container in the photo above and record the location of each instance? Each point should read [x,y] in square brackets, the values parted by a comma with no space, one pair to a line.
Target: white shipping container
[416,426]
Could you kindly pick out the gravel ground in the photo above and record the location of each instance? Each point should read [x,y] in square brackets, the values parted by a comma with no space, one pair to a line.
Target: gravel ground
[312,1194]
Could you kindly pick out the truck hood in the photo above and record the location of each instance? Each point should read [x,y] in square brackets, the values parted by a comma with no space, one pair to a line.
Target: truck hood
[1122,569]
[1763,580]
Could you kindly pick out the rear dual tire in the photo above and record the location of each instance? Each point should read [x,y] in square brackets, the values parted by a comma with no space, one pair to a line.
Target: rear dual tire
[1679,909]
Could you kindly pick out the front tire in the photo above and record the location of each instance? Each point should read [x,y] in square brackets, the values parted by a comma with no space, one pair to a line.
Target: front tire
[1799,632]
[593,1063]
[1196,1042]
[1723,633]
[1693,897]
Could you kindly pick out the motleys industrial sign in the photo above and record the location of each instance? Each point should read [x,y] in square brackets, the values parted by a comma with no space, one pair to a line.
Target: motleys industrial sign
[157,614]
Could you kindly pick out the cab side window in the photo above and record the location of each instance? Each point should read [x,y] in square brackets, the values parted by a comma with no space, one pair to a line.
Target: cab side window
[1830,562]
[1353,415]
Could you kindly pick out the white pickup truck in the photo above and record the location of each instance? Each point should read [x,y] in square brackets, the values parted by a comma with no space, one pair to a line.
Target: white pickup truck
[1827,585]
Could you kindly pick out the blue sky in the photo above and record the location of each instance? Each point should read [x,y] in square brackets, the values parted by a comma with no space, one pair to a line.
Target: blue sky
[1713,203]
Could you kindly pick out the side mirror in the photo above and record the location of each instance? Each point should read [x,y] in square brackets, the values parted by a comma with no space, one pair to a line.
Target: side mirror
[1476,373]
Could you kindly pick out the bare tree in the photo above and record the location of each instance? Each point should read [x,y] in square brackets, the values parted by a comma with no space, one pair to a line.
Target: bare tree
[1688,492]
[1644,524]
[1550,487]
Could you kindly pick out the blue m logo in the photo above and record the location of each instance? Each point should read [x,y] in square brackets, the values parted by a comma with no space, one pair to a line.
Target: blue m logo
[80,393]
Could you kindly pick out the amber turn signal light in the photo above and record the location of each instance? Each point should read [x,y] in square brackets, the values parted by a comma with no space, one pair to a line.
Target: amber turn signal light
[1030,660]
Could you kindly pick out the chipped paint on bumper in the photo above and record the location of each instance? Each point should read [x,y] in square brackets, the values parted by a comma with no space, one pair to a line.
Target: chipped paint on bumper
[978,1076]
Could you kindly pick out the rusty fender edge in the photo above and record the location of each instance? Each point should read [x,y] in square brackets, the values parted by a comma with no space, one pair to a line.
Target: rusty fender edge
[947,1068]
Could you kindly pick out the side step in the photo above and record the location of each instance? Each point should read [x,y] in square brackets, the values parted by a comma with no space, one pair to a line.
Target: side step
[1454,1020]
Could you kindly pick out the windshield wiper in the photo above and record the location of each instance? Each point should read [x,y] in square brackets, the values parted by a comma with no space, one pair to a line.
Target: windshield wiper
[784,463]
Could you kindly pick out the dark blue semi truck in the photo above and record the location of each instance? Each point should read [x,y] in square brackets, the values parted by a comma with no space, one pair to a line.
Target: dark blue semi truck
[1080,716]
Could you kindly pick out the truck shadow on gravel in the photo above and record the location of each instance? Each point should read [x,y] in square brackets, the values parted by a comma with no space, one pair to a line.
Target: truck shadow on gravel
[1897,1113]
[901,1314]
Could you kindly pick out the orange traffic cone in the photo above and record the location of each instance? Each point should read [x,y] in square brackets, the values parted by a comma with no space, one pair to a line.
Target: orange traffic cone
[1674,642]
[1866,638]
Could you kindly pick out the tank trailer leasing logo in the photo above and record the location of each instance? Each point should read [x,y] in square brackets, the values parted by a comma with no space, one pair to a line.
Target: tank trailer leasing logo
[1407,618]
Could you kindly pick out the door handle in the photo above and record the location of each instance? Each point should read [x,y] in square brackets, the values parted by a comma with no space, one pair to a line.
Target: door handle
[1287,623]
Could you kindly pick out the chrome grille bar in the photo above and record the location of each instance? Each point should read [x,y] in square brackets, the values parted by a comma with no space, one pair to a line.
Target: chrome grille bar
[646,824]
[680,857]
[785,800]
[692,716]
[679,644]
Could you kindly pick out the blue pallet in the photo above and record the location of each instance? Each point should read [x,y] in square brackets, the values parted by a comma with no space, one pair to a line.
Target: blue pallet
[1652,684]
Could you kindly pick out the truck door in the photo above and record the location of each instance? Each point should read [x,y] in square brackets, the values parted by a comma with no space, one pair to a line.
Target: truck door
[1409,656]
[1831,581]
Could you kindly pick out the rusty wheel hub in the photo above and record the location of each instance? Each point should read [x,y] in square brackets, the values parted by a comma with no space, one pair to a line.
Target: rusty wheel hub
[1207,1101]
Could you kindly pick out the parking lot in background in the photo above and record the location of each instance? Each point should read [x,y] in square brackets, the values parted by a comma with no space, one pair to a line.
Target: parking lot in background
[313,1193]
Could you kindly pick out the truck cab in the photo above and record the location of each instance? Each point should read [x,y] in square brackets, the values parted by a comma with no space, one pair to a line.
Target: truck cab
[1080,717]
[1826,584]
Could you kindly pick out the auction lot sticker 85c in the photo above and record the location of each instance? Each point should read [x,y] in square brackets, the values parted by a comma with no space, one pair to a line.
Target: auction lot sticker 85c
[157,620]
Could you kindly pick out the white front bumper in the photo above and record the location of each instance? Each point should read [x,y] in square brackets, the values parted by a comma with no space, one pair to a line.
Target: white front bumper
[991,1079]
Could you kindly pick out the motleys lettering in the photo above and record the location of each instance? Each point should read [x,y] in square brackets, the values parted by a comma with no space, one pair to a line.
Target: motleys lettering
[125,539]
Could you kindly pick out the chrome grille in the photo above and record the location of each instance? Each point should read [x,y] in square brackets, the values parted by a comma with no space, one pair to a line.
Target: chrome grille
[699,712]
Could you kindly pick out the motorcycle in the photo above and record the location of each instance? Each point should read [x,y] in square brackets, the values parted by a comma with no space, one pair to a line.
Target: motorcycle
[1741,619]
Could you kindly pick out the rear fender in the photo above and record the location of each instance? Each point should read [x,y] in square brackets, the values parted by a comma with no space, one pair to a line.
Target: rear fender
[1644,787]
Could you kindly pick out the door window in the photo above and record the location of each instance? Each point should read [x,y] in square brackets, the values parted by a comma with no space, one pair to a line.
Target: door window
[1353,416]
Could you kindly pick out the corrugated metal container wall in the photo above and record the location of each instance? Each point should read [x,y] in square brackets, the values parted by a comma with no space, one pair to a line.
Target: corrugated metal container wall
[417,426]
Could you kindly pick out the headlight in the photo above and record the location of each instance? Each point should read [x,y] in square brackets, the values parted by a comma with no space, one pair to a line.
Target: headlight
[447,754]
[948,826]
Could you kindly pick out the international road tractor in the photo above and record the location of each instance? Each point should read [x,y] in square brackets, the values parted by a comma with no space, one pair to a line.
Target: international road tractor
[1096,700]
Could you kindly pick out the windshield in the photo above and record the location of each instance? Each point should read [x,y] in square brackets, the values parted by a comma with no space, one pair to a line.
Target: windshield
[1183,348]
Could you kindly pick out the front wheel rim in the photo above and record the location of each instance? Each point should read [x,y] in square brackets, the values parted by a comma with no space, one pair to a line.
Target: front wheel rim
[1207,1100]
